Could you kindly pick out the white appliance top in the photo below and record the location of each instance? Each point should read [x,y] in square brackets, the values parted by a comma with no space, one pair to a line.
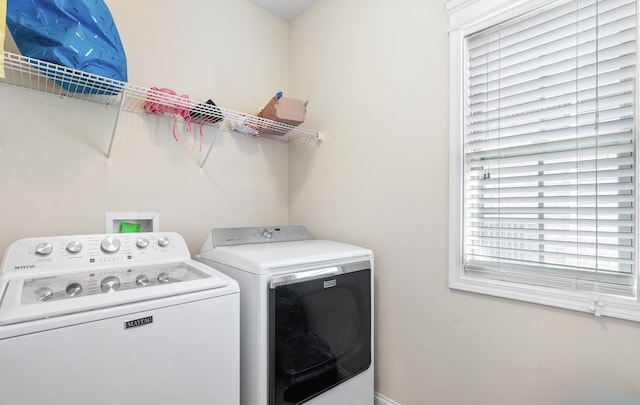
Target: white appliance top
[264,250]
[53,276]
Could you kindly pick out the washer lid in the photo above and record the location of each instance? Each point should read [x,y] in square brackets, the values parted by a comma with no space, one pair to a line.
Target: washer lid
[267,257]
[30,297]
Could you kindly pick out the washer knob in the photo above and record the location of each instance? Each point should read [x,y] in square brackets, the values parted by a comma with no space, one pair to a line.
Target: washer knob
[44,249]
[44,293]
[164,277]
[163,241]
[74,246]
[267,234]
[110,283]
[142,280]
[74,289]
[110,244]
[142,243]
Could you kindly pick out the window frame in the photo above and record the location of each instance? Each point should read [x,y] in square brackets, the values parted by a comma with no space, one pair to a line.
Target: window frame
[465,18]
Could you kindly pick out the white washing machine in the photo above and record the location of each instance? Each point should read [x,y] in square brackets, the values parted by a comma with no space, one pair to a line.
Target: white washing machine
[125,319]
[306,315]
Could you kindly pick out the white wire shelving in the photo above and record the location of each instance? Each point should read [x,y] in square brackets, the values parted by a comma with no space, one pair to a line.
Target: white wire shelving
[46,77]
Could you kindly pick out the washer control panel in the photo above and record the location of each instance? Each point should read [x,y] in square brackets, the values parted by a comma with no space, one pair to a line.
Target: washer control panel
[67,286]
[55,276]
[66,253]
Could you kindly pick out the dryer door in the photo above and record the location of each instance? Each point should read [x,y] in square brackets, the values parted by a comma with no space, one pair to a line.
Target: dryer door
[320,330]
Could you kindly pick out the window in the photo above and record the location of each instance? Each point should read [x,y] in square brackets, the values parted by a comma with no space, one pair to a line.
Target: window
[544,156]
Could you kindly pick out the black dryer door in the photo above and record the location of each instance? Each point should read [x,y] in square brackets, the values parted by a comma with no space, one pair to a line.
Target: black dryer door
[320,330]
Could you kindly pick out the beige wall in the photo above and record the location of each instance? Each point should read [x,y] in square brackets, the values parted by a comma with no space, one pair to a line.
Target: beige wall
[53,177]
[376,75]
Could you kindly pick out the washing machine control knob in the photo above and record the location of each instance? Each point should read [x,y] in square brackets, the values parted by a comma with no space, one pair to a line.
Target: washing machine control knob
[110,244]
[74,289]
[44,293]
[164,277]
[44,249]
[142,243]
[142,280]
[267,233]
[110,283]
[74,246]
[163,241]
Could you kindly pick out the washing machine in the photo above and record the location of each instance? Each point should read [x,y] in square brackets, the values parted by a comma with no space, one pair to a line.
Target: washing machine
[125,319]
[306,319]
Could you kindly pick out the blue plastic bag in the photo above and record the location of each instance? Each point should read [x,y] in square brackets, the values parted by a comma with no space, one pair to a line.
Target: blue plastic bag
[78,34]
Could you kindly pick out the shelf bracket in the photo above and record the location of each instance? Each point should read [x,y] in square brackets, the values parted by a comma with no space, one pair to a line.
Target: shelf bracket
[206,157]
[115,125]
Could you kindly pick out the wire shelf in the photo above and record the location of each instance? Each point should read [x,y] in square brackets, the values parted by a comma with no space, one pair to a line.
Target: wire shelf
[34,74]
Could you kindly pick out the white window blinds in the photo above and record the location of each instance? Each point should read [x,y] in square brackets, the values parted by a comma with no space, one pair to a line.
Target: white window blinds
[549,142]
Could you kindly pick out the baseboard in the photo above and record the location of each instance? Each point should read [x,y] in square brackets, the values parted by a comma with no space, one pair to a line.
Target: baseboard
[382,400]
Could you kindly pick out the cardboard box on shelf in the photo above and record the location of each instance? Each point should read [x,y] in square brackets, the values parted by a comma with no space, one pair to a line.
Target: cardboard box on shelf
[287,110]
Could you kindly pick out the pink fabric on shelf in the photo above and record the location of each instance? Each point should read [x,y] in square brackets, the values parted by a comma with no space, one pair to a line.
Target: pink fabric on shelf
[166,101]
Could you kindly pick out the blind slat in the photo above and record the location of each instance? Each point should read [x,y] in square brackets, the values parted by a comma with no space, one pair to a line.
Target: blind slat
[568,167]
[585,200]
[587,142]
[540,233]
[595,150]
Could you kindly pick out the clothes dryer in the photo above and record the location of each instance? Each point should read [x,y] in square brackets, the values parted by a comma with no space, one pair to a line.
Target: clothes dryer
[306,315]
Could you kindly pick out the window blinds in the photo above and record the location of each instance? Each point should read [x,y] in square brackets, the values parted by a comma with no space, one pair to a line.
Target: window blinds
[550,148]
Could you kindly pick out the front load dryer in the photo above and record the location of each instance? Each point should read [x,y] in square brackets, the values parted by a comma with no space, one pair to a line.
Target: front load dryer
[306,315]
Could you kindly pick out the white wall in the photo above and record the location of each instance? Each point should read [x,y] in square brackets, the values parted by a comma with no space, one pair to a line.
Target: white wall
[376,75]
[53,177]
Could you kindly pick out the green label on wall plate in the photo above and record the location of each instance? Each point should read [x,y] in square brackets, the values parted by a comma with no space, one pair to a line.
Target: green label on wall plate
[129,227]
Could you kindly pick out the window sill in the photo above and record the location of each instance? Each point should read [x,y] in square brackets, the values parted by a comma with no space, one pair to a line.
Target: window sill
[598,305]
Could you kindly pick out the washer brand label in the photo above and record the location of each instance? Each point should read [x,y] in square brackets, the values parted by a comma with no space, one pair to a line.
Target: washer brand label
[24,267]
[138,322]
[330,283]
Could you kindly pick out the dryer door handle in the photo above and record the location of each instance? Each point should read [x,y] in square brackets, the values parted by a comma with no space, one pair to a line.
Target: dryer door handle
[292,278]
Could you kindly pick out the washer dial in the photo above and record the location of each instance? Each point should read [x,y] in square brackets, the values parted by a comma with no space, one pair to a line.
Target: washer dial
[74,246]
[109,284]
[74,289]
[110,244]
[142,280]
[43,293]
[44,249]
[164,278]
[142,243]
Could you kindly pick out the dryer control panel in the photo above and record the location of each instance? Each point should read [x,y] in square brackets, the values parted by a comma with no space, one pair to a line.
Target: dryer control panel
[246,236]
